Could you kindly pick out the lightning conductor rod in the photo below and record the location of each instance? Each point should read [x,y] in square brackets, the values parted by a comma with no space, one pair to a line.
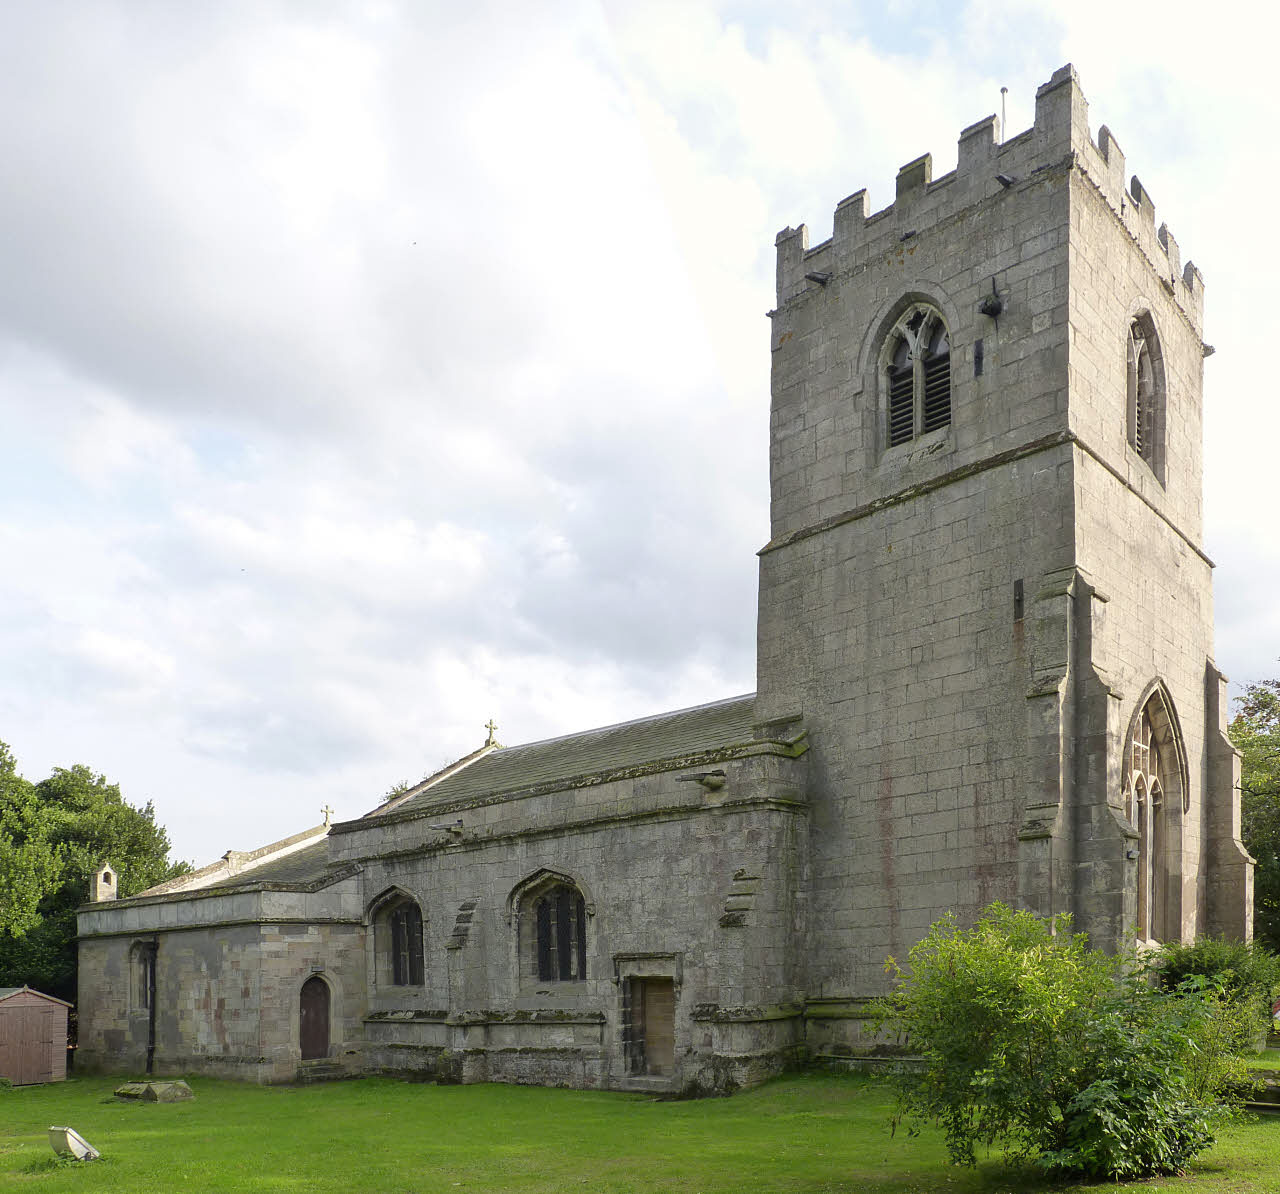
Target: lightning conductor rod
[1003,92]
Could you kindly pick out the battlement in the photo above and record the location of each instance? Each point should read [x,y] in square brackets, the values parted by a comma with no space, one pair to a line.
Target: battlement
[987,171]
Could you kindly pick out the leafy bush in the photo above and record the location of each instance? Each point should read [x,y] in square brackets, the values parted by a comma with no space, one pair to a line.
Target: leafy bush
[1216,1068]
[1060,1054]
[1146,1086]
[1246,973]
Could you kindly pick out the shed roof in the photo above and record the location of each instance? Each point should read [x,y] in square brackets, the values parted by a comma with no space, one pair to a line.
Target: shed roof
[9,992]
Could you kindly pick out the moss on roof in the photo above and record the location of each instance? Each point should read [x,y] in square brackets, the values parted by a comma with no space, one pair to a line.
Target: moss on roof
[666,736]
[302,866]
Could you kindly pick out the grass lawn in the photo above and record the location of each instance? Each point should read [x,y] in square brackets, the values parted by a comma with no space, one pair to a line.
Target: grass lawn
[807,1133]
[1268,1059]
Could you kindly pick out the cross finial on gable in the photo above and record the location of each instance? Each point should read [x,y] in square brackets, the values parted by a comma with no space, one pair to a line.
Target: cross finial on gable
[493,731]
[328,816]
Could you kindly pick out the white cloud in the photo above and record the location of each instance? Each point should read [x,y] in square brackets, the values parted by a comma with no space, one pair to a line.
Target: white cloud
[371,371]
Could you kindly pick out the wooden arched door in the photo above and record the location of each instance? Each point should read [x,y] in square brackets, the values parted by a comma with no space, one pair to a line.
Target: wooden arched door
[313,1019]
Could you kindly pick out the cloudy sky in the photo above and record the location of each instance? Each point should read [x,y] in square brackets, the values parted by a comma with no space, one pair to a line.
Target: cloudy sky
[370,370]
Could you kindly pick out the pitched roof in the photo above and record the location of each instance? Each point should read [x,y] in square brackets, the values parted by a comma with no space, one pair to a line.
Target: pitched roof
[9,992]
[394,802]
[664,737]
[302,866]
[227,870]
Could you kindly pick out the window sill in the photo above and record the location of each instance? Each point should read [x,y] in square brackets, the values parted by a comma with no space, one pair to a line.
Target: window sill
[572,986]
[923,447]
[1142,465]
[568,996]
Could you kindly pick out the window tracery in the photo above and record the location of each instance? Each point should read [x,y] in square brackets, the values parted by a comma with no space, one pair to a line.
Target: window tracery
[549,910]
[917,375]
[560,920]
[1150,769]
[397,934]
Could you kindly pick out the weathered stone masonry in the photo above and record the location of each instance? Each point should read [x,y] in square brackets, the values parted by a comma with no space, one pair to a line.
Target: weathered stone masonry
[984,672]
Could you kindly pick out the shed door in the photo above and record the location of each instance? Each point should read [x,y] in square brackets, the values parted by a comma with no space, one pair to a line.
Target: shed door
[313,1019]
[29,1028]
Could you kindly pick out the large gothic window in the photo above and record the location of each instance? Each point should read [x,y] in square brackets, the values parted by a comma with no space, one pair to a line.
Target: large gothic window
[1145,392]
[917,375]
[1145,810]
[1153,801]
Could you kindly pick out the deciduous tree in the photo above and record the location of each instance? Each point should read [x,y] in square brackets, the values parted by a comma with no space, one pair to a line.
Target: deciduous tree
[53,837]
[1255,731]
[29,862]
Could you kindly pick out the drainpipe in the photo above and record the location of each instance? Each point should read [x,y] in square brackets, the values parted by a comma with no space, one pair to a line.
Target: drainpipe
[151,1006]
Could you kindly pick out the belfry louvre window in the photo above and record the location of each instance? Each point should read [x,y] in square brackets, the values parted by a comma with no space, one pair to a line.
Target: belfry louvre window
[918,375]
[1145,393]
[561,918]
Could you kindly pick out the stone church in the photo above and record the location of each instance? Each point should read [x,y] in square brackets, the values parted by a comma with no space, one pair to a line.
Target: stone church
[985,672]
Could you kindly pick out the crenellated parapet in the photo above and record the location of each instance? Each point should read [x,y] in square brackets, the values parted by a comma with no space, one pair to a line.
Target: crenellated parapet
[987,171]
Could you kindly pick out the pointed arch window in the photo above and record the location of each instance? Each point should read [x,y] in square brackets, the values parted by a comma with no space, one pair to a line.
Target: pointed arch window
[549,911]
[397,936]
[560,917]
[917,370]
[1154,798]
[1144,372]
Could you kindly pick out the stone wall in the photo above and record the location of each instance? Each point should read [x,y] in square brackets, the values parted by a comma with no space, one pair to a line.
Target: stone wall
[887,593]
[1138,527]
[705,886]
[968,619]
[229,969]
[955,634]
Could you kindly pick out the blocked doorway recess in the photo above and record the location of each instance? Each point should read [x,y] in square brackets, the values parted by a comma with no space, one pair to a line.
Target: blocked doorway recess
[650,1026]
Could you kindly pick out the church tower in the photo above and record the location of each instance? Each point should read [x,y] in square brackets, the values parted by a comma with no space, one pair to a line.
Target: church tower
[985,586]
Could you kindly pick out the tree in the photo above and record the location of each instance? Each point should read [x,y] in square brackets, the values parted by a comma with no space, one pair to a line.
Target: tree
[53,837]
[1255,732]
[1061,1055]
[29,862]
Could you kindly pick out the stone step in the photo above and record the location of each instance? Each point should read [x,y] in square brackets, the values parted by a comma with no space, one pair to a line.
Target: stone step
[319,1071]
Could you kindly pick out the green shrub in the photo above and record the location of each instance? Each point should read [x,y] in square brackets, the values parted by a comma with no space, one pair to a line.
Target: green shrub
[1245,973]
[1226,1030]
[1057,1053]
[1147,1081]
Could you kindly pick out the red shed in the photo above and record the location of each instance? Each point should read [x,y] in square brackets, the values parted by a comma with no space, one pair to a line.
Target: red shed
[33,1036]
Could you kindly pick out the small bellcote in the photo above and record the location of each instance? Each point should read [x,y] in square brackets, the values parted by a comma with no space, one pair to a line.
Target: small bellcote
[103,884]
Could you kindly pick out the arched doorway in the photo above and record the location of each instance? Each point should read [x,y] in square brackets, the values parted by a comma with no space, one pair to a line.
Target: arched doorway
[313,1019]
